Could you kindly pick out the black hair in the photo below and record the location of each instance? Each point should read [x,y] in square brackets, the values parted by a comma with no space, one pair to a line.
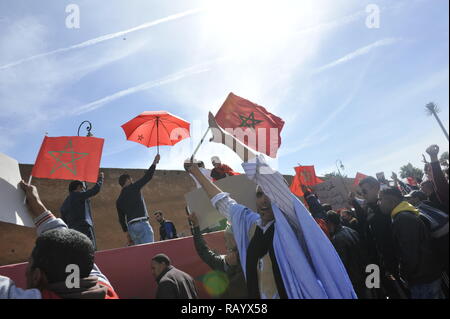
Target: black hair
[123,178]
[333,218]
[58,248]
[349,212]
[158,212]
[74,185]
[393,192]
[327,207]
[372,181]
[162,258]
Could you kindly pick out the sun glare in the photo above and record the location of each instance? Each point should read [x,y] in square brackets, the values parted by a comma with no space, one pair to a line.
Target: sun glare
[252,24]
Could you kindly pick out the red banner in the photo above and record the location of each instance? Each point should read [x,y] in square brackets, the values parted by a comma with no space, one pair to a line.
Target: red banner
[304,175]
[251,124]
[358,178]
[69,158]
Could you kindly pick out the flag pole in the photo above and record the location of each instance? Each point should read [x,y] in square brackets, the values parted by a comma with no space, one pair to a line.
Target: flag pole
[29,181]
[31,176]
[200,143]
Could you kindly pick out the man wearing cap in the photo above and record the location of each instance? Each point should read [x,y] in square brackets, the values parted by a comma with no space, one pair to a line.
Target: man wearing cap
[76,210]
[220,170]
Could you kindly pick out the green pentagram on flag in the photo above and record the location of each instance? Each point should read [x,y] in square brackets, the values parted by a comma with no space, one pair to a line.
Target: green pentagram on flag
[249,121]
[68,149]
[307,176]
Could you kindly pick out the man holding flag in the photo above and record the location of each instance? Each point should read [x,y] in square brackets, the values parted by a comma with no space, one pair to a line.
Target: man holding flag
[73,158]
[283,252]
[76,210]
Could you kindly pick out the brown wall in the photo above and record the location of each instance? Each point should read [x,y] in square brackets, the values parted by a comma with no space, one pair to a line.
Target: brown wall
[165,192]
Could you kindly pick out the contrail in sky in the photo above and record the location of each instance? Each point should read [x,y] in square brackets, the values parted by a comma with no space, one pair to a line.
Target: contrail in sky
[103,38]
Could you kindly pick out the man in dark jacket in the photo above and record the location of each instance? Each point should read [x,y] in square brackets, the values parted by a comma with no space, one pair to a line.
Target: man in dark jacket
[172,282]
[76,210]
[167,229]
[234,286]
[349,247]
[131,209]
[412,241]
[376,233]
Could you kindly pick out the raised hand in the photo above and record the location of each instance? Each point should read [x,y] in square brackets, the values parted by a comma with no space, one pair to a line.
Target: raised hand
[34,203]
[433,151]
[193,219]
[156,160]
[394,176]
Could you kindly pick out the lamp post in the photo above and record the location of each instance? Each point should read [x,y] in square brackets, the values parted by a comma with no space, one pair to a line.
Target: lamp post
[339,172]
[88,128]
[89,134]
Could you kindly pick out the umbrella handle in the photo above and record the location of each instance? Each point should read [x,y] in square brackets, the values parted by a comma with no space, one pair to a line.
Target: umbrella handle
[157,134]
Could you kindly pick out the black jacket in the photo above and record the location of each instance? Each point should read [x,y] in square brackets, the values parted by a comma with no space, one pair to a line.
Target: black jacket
[348,245]
[76,209]
[413,246]
[163,230]
[237,288]
[130,204]
[175,284]
[315,207]
[376,233]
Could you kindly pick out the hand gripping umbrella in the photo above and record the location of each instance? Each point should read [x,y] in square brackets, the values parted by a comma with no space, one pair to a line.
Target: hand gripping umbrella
[156,128]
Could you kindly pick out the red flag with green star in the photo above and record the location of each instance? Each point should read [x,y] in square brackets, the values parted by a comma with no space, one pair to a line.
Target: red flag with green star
[69,158]
[251,124]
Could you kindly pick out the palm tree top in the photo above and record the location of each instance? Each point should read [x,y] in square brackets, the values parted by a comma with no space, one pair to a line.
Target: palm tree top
[431,108]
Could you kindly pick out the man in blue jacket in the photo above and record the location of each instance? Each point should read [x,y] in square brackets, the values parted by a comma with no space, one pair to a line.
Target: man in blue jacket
[76,210]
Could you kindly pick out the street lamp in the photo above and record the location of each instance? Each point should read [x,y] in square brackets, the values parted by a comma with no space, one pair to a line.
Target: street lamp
[339,172]
[89,134]
[88,128]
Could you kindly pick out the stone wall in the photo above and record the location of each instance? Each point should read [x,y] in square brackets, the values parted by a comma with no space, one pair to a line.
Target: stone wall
[164,192]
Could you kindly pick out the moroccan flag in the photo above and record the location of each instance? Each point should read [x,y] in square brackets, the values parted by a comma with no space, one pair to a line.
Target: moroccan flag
[304,175]
[70,158]
[307,175]
[358,178]
[251,124]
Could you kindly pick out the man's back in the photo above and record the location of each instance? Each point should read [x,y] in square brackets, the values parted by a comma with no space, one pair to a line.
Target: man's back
[176,284]
[131,202]
[75,210]
[349,247]
[413,244]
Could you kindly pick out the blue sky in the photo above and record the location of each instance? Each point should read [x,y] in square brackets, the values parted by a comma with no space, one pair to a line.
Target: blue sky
[346,92]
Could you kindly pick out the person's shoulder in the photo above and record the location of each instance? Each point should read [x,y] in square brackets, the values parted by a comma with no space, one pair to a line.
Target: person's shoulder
[405,218]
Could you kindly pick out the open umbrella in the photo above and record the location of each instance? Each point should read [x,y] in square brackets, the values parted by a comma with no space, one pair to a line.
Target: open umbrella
[156,128]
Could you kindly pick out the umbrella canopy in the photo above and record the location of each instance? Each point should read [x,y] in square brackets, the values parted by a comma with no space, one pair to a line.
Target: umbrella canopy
[156,128]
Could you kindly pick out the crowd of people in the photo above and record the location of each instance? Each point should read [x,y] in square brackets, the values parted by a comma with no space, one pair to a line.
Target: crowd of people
[287,248]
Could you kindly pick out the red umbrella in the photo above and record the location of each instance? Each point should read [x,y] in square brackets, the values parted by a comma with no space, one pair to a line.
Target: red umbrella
[156,128]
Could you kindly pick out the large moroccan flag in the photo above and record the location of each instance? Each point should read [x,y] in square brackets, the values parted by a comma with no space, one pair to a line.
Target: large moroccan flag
[304,175]
[251,124]
[70,158]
